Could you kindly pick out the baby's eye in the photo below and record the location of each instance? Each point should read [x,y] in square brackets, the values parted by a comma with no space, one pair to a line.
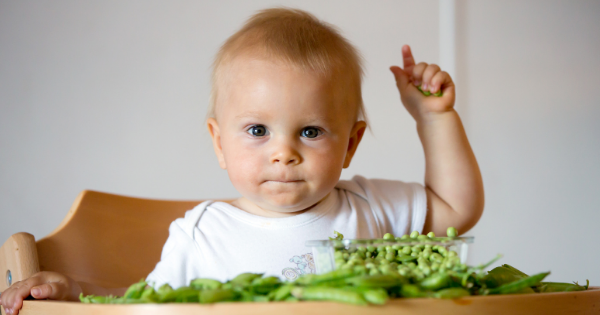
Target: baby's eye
[311,132]
[258,131]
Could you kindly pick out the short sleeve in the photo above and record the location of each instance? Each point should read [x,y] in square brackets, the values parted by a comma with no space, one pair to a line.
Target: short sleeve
[171,268]
[399,207]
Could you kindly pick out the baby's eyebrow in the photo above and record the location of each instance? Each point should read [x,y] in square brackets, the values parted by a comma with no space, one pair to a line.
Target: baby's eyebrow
[249,115]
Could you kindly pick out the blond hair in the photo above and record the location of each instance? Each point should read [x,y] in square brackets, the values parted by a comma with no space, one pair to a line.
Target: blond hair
[296,38]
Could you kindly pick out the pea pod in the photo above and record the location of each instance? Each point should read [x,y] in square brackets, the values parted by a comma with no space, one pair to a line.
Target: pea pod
[377,296]
[283,292]
[217,295]
[413,291]
[501,275]
[327,277]
[319,293]
[521,284]
[149,295]
[376,281]
[436,281]
[183,294]
[451,293]
[546,287]
[135,290]
[205,283]
[244,279]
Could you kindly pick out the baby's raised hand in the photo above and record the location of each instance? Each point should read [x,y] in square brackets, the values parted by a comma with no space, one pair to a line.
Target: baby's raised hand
[430,78]
[42,285]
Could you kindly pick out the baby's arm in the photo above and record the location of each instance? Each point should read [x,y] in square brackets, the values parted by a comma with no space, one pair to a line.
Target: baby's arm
[452,178]
[50,285]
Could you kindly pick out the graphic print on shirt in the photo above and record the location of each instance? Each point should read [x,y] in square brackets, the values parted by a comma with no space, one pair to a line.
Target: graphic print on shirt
[304,264]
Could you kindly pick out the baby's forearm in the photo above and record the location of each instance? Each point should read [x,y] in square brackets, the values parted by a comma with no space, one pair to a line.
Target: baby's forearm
[452,176]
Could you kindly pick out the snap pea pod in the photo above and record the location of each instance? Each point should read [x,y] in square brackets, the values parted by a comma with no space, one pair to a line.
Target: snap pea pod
[501,275]
[436,281]
[377,296]
[135,290]
[149,295]
[217,295]
[164,289]
[521,284]
[545,287]
[327,277]
[451,293]
[515,270]
[244,279]
[265,285]
[205,283]
[413,291]
[319,293]
[181,294]
[376,281]
[427,93]
[283,292]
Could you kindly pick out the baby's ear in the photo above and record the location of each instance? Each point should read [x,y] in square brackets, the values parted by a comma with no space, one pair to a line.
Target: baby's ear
[356,134]
[215,134]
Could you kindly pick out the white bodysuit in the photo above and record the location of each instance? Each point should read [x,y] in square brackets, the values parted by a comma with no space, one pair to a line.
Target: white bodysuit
[219,241]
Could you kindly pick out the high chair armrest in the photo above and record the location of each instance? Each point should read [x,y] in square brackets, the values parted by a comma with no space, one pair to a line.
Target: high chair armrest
[18,259]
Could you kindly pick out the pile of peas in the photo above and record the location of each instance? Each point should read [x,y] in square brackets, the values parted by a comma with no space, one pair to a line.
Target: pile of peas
[413,256]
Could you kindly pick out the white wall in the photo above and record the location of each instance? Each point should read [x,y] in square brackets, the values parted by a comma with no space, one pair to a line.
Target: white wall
[111,96]
[530,76]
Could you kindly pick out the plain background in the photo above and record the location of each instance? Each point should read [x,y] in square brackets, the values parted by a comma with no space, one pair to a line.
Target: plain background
[111,96]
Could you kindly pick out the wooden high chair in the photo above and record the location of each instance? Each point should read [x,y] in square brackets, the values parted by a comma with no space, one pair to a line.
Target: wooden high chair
[105,239]
[114,241]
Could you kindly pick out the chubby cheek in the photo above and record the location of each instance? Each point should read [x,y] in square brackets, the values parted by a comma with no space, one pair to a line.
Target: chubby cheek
[327,165]
[243,167]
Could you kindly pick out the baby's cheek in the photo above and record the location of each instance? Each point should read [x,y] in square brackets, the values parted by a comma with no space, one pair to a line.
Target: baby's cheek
[244,171]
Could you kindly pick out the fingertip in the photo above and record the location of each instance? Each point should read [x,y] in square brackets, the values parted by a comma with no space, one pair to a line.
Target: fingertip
[36,292]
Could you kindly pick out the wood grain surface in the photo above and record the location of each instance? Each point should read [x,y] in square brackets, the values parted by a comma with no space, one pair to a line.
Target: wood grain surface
[572,303]
[19,257]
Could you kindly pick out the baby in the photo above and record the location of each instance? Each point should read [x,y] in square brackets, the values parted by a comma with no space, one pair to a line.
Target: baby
[286,116]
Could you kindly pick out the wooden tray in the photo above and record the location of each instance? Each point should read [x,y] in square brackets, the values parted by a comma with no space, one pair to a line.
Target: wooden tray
[582,302]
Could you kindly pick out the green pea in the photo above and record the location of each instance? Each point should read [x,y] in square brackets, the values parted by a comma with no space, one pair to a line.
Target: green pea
[414,234]
[360,270]
[380,248]
[406,250]
[374,272]
[452,253]
[371,248]
[422,237]
[435,266]
[369,254]
[426,253]
[361,249]
[388,236]
[338,255]
[431,235]
[405,237]
[398,238]
[384,262]
[452,232]
[411,265]
[345,255]
[370,265]
[396,247]
[390,256]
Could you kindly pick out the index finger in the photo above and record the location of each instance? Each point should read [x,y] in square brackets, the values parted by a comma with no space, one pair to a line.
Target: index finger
[407,57]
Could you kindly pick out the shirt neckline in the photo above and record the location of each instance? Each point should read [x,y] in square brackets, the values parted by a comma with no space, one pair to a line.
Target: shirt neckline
[307,217]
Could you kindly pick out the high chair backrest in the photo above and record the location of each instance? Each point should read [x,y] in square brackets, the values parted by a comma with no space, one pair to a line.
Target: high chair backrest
[105,239]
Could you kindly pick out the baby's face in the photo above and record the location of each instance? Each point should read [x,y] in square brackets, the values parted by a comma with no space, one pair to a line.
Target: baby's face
[282,136]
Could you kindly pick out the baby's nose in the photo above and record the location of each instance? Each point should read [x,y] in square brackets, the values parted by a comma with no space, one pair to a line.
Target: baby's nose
[286,155]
